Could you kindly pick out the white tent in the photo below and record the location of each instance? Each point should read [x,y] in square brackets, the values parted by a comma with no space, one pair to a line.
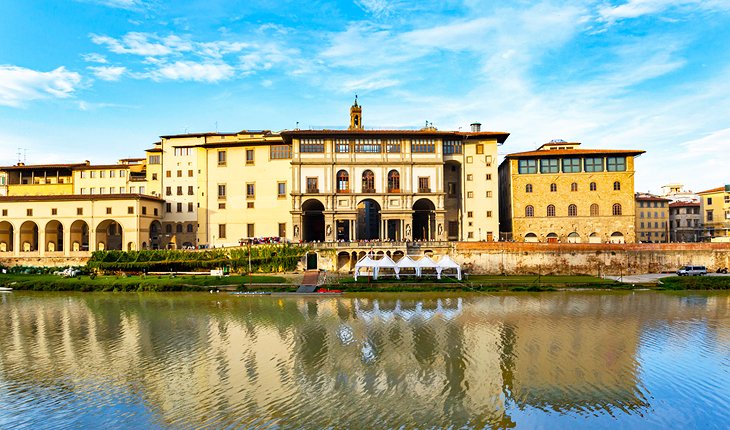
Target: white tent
[446,263]
[406,262]
[385,263]
[364,263]
[425,263]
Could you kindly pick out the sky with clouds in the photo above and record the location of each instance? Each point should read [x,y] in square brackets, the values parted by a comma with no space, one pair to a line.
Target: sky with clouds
[102,79]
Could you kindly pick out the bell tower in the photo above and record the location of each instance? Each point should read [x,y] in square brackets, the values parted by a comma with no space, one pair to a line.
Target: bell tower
[355,116]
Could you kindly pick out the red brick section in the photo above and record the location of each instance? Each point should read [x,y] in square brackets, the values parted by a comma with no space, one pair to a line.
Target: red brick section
[579,247]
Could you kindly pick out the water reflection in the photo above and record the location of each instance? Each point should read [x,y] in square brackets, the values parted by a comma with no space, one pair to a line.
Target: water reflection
[191,361]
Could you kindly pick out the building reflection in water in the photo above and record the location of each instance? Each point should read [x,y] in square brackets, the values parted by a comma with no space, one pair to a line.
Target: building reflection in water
[473,360]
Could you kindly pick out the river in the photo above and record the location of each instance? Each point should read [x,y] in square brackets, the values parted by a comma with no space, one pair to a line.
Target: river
[643,360]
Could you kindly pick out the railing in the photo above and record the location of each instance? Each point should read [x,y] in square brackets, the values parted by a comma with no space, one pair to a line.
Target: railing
[344,191]
[383,244]
[312,190]
[394,190]
[368,190]
[424,190]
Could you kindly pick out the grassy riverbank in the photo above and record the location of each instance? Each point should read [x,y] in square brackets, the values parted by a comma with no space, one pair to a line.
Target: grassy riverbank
[132,283]
[695,283]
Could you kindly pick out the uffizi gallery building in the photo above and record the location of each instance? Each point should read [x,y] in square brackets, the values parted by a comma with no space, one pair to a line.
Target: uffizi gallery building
[352,184]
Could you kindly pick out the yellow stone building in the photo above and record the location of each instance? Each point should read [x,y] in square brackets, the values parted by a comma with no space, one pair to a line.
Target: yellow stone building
[652,218]
[562,193]
[715,209]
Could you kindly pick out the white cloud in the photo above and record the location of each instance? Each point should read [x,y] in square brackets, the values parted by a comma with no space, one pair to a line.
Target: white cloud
[143,44]
[19,85]
[375,7]
[192,71]
[108,73]
[638,8]
[94,58]
[121,4]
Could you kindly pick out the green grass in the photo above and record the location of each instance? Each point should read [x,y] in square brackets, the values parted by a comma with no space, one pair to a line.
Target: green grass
[129,283]
[696,283]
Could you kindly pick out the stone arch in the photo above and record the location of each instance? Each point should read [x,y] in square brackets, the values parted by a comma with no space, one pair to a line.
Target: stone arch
[155,234]
[595,210]
[28,236]
[79,240]
[6,236]
[594,238]
[54,236]
[531,237]
[368,220]
[109,235]
[394,181]
[551,238]
[397,255]
[343,181]
[343,261]
[368,181]
[424,219]
[574,237]
[312,221]
[617,237]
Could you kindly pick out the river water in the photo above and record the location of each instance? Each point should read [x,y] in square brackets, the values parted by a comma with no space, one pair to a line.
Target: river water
[546,360]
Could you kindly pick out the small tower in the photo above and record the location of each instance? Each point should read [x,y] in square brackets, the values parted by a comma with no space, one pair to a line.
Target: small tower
[355,116]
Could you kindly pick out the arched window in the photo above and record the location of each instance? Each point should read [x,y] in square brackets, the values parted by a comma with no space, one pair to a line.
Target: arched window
[593,186]
[178,228]
[616,209]
[343,181]
[168,228]
[617,186]
[528,188]
[553,188]
[594,210]
[190,228]
[529,211]
[368,181]
[551,210]
[574,186]
[572,210]
[393,181]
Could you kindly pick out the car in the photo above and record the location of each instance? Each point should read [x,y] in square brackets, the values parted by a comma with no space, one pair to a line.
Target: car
[692,271]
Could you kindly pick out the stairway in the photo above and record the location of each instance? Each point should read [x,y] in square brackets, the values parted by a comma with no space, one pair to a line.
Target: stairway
[310,282]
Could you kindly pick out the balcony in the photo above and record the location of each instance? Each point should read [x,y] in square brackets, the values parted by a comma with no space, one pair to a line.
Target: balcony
[394,190]
[344,191]
[312,190]
[424,190]
[368,190]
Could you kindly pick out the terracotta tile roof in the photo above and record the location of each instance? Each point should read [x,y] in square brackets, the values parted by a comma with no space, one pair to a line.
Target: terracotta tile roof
[683,204]
[42,166]
[153,150]
[646,198]
[104,166]
[563,152]
[713,190]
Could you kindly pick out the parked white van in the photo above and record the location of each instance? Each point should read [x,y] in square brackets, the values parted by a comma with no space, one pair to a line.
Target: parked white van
[692,271]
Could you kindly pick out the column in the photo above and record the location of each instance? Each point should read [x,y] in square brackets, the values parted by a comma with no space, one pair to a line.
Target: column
[66,240]
[16,241]
[41,241]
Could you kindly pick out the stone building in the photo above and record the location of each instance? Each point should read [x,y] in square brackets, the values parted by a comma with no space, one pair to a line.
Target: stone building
[652,218]
[685,221]
[562,193]
[715,209]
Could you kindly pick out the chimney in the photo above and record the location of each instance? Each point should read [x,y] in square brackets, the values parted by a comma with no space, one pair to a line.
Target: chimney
[476,127]
[87,162]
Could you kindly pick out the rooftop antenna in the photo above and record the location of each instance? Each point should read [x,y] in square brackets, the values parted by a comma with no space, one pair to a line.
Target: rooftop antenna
[23,152]
[216,126]
[297,125]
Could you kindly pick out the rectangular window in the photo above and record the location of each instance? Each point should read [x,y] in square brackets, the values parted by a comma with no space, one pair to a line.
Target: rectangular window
[92,190]
[249,205]
[642,224]
[221,158]
[281,190]
[709,200]
[470,194]
[593,164]
[79,211]
[179,173]
[221,205]
[92,174]
[489,214]
[154,159]
[452,147]
[480,149]
[393,146]
[190,206]
[221,191]
[108,211]
[549,165]
[111,173]
[342,146]
[5,212]
[470,235]
[709,215]
[469,177]
[132,190]
[488,160]
[112,190]
[102,174]
[616,164]
[280,152]
[453,228]
[249,157]
[489,194]
[250,191]
[168,174]
[190,190]
[155,212]
[190,173]
[282,229]
[571,165]
[179,207]
[371,146]
[122,173]
[221,231]
[130,209]
[311,146]
[144,210]
[82,175]
[179,191]
[424,184]
[54,211]
[168,207]
[312,186]
[423,146]
[470,214]
[250,230]
[488,177]
[83,191]
[451,189]
[527,166]
[168,191]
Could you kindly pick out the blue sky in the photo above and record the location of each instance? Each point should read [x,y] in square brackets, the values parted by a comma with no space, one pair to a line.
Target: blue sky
[102,79]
